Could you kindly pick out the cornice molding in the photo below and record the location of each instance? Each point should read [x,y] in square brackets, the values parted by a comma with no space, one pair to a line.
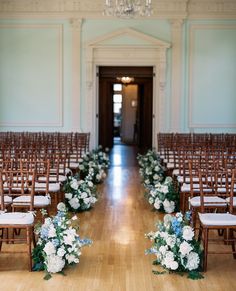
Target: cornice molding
[170,9]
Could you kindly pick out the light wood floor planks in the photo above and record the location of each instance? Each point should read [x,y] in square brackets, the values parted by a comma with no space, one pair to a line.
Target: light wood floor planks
[116,260]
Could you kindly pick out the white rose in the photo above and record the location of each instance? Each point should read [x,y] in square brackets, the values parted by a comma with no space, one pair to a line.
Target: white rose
[87,200]
[164,189]
[74,203]
[61,207]
[61,252]
[167,220]
[151,200]
[83,195]
[174,265]
[157,203]
[98,177]
[68,195]
[74,184]
[70,258]
[171,240]
[168,259]
[54,264]
[156,177]
[49,248]
[188,233]
[192,261]
[157,168]
[51,231]
[169,206]
[81,167]
[163,250]
[185,248]
[90,184]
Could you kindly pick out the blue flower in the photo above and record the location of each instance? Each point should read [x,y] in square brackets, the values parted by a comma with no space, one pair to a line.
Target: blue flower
[176,225]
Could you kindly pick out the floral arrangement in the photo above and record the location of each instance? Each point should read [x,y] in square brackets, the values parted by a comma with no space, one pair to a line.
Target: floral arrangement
[59,244]
[163,196]
[175,247]
[93,165]
[161,191]
[151,169]
[80,195]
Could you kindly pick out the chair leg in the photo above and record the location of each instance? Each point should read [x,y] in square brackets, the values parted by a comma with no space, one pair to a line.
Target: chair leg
[205,246]
[1,237]
[231,237]
[29,240]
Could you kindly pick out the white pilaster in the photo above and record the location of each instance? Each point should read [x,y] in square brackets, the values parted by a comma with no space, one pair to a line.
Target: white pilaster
[176,83]
[76,24]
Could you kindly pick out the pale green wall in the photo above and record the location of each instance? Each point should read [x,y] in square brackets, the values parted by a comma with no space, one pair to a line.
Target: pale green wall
[35,65]
[210,76]
[29,72]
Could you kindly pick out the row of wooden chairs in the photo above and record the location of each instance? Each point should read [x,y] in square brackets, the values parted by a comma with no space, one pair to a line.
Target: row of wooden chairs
[204,165]
[68,146]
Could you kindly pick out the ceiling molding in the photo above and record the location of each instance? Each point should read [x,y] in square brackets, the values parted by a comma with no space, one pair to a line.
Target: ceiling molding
[163,9]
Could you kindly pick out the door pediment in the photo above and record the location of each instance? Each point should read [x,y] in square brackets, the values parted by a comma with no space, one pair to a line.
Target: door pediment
[128,37]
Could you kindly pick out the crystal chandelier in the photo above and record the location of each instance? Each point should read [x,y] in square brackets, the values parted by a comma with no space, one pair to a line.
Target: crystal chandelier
[128,8]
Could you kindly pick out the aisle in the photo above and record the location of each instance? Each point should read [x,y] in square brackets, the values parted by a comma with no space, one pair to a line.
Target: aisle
[116,260]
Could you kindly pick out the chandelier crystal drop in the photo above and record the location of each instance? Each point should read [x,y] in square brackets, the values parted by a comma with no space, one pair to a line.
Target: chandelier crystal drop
[128,8]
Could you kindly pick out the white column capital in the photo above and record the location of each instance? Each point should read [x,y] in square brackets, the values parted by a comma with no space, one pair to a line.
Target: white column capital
[76,23]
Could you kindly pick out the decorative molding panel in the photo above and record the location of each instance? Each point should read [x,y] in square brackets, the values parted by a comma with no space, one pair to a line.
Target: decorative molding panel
[59,97]
[192,77]
[151,53]
[93,9]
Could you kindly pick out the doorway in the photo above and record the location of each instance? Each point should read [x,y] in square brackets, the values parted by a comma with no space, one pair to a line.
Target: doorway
[125,110]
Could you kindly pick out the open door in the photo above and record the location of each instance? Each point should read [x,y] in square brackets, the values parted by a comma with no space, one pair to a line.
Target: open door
[143,78]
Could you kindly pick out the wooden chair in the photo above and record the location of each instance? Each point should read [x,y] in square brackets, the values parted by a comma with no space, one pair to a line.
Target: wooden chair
[217,221]
[17,183]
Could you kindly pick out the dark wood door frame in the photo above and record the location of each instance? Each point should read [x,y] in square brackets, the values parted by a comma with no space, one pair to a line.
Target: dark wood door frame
[144,79]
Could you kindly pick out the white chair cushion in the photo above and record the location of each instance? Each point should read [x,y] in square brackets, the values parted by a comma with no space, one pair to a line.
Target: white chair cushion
[18,218]
[7,199]
[53,178]
[38,200]
[54,187]
[221,219]
[170,166]
[208,201]
[74,165]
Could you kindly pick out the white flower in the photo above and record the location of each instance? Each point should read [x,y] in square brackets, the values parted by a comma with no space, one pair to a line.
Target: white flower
[69,236]
[81,167]
[163,250]
[185,248]
[47,221]
[74,184]
[98,177]
[68,195]
[54,264]
[83,195]
[74,203]
[71,259]
[151,200]
[157,168]
[93,199]
[164,189]
[49,248]
[168,259]
[169,206]
[61,207]
[61,252]
[171,240]
[51,231]
[168,180]
[174,265]
[193,261]
[156,177]
[179,216]
[188,233]
[87,200]
[157,203]
[90,184]
[167,220]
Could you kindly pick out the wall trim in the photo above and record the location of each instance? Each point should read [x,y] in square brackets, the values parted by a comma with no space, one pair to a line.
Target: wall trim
[153,54]
[192,29]
[59,103]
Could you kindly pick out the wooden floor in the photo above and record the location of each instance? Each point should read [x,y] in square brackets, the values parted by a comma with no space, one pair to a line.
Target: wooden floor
[116,260]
